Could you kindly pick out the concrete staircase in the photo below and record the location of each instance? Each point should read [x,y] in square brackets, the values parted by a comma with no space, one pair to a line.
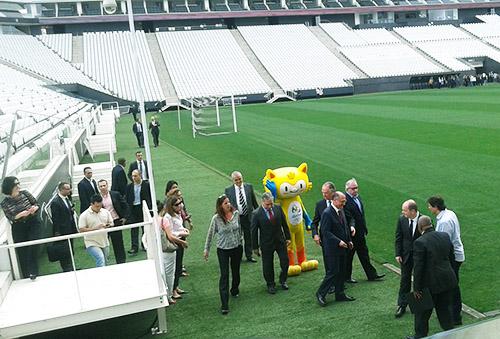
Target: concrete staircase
[334,48]
[259,67]
[422,53]
[167,85]
[77,49]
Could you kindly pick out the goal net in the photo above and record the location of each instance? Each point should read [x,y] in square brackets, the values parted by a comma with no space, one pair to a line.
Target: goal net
[214,115]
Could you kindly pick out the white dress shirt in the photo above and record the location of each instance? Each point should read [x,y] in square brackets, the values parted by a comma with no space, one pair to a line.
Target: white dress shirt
[447,222]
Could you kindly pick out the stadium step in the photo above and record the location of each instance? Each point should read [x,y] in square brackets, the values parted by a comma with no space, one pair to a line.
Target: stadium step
[167,85]
[77,49]
[484,41]
[332,46]
[259,67]
[422,53]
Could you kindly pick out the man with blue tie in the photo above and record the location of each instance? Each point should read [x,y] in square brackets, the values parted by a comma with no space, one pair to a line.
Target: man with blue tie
[355,214]
[270,233]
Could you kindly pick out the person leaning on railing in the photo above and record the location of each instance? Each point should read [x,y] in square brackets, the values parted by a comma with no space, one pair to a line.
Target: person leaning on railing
[21,208]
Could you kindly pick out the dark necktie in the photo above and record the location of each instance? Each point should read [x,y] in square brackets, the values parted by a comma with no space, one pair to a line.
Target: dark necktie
[411,227]
[339,213]
[67,203]
[271,215]
[243,204]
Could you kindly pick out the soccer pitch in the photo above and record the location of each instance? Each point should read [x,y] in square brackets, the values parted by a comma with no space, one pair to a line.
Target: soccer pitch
[398,146]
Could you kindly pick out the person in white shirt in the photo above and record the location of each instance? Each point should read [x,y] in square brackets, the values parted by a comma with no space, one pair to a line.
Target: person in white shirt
[447,221]
[92,219]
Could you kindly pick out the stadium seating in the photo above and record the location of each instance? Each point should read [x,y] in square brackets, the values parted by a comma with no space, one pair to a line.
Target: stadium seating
[346,36]
[295,57]
[431,33]
[483,30]
[447,51]
[59,43]
[29,53]
[494,41]
[208,63]
[108,60]
[389,60]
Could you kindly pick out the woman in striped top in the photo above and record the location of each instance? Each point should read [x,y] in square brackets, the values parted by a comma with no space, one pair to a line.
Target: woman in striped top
[21,208]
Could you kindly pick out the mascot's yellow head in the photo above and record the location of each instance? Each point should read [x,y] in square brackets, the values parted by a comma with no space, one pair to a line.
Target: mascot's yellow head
[287,182]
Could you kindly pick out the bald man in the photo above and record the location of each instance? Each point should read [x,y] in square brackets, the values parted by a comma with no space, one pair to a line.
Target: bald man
[406,234]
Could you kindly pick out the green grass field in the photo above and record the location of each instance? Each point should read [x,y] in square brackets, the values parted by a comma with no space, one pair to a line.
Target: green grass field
[398,146]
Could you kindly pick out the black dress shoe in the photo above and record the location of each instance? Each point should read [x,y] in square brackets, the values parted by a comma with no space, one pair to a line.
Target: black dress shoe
[132,252]
[378,277]
[411,337]
[224,312]
[250,259]
[344,298]
[457,322]
[351,281]
[400,311]
[33,277]
[321,300]
[284,286]
[271,290]
[331,290]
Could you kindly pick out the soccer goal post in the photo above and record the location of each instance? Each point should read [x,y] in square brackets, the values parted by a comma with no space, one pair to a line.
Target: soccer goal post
[212,116]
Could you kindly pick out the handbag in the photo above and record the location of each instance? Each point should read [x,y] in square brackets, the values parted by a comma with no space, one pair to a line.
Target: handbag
[166,245]
[58,250]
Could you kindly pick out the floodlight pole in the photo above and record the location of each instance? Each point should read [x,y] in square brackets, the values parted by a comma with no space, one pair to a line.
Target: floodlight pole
[179,116]
[162,320]
[235,124]
[217,111]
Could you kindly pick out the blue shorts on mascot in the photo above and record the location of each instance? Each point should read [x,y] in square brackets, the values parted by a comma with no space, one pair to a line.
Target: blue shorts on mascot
[286,185]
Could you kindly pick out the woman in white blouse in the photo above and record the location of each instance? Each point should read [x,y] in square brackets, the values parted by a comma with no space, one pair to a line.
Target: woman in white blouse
[226,225]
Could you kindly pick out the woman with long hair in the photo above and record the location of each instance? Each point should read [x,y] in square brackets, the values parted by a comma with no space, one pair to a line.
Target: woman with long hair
[171,214]
[226,225]
[22,210]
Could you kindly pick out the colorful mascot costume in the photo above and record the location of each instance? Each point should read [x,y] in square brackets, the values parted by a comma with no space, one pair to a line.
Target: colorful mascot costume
[286,184]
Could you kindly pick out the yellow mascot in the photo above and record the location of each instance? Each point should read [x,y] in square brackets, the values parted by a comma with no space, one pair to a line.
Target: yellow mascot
[286,184]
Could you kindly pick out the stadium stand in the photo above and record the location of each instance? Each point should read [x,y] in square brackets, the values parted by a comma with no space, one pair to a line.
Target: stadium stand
[208,63]
[308,63]
[29,53]
[483,30]
[346,36]
[108,60]
[389,60]
[489,18]
[448,51]
[60,43]
[431,33]
[494,41]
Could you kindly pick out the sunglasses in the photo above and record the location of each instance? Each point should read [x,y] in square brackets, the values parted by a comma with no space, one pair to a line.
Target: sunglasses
[178,204]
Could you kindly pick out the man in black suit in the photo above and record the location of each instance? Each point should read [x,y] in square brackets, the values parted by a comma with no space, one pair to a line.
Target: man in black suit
[406,234]
[355,214]
[335,243]
[327,190]
[270,233]
[433,255]
[115,203]
[119,178]
[138,131]
[87,187]
[242,197]
[63,220]
[139,164]
[137,191]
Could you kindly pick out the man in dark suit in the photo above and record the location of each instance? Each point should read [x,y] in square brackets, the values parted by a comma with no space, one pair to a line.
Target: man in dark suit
[433,255]
[327,190]
[139,164]
[119,178]
[335,243]
[63,220]
[270,233]
[87,187]
[355,214]
[137,191]
[138,131]
[115,203]
[242,197]
[406,234]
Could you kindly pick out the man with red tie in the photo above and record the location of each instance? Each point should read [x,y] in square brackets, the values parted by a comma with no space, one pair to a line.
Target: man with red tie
[270,233]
